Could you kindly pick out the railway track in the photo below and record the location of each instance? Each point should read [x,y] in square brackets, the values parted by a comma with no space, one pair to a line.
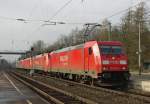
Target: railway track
[136,92]
[52,94]
[128,91]
[97,94]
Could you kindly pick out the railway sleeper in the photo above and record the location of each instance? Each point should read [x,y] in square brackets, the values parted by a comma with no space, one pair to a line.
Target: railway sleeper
[62,96]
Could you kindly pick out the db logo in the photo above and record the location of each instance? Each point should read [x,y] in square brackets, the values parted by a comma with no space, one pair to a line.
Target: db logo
[113,58]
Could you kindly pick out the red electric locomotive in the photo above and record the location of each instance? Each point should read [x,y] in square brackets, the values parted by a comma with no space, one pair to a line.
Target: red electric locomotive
[105,62]
[25,63]
[102,61]
[40,62]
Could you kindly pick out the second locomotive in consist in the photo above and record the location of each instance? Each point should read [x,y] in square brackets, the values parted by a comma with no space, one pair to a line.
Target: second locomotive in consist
[103,62]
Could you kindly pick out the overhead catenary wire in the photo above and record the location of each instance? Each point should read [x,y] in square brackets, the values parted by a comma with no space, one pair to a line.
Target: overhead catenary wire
[73,23]
[60,9]
[34,20]
[81,23]
[122,11]
[62,22]
[45,21]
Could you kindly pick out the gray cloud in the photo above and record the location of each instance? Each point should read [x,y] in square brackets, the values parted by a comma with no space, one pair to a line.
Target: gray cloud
[24,34]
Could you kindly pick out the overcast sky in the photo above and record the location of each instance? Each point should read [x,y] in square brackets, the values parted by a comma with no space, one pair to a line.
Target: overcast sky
[17,35]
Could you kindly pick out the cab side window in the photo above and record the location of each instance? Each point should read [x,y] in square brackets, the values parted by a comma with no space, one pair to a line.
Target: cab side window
[90,50]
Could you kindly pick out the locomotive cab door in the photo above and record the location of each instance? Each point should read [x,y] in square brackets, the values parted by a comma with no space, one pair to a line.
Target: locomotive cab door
[87,57]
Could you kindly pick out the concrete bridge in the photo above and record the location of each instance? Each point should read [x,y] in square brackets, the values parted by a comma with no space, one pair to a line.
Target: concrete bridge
[13,52]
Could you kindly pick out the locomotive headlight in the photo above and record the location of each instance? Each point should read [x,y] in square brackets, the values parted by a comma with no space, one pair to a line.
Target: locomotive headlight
[123,62]
[105,62]
[124,68]
[104,68]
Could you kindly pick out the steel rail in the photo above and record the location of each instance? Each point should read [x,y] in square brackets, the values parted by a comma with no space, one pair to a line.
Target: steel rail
[29,82]
[117,92]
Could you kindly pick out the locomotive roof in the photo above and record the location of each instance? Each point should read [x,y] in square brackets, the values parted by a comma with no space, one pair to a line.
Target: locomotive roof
[68,48]
[40,55]
[110,43]
[82,45]
[26,59]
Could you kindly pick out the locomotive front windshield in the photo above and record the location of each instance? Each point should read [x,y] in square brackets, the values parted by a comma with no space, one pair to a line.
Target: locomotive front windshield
[111,49]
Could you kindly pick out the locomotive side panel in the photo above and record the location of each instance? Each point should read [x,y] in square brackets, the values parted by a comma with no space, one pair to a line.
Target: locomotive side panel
[63,58]
[25,64]
[46,62]
[54,62]
[76,61]
[37,62]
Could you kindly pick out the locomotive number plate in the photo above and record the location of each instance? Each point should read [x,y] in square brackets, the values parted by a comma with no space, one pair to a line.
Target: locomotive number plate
[114,62]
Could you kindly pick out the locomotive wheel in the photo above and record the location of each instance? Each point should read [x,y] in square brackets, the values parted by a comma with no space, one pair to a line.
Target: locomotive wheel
[81,79]
[90,81]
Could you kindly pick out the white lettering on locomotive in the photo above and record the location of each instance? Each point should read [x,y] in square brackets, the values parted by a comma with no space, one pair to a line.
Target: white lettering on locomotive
[64,60]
